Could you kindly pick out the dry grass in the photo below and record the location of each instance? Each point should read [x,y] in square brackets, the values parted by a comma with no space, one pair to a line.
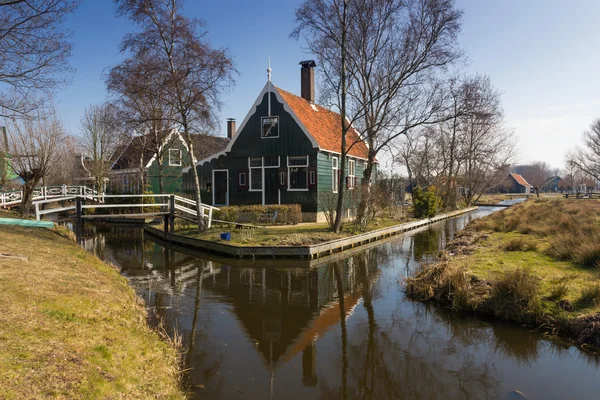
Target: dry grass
[71,327]
[539,260]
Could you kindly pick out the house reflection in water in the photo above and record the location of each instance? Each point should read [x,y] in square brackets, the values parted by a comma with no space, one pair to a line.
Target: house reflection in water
[286,311]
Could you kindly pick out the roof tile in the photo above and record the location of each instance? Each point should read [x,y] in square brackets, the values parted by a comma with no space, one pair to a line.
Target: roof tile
[325,126]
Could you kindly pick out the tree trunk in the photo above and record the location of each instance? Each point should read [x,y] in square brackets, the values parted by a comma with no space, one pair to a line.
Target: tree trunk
[362,215]
[161,187]
[199,218]
[26,200]
[337,226]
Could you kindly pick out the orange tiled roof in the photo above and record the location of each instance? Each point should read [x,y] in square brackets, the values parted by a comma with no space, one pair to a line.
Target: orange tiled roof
[520,180]
[324,125]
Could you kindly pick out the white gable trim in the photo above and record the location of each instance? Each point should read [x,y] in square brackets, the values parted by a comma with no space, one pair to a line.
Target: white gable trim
[269,87]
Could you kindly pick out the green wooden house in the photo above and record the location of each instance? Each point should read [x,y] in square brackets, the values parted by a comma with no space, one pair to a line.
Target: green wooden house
[136,156]
[286,151]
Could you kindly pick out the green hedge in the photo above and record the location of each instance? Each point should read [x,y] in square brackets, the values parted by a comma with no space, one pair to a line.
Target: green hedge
[286,214]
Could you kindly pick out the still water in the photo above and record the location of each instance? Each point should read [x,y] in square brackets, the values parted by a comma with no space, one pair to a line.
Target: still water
[338,328]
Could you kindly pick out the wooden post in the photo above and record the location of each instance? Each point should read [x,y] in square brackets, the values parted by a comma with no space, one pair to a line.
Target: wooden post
[79,227]
[172,213]
[165,227]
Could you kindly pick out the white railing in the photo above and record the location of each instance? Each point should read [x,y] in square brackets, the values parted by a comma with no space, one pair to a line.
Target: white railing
[169,202]
[188,206]
[15,197]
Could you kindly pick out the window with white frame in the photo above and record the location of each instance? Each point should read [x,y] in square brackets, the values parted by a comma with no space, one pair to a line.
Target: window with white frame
[351,173]
[335,177]
[298,172]
[175,157]
[270,127]
[256,173]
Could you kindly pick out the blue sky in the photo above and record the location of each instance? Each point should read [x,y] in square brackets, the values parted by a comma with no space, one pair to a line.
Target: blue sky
[541,54]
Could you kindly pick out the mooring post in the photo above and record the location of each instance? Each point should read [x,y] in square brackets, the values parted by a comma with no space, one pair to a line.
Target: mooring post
[79,228]
[172,213]
[165,227]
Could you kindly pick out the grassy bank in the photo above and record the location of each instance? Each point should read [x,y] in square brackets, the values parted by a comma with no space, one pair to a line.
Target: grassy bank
[71,327]
[304,234]
[536,263]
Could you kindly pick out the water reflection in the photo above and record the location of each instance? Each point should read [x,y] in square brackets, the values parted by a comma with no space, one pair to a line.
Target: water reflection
[337,328]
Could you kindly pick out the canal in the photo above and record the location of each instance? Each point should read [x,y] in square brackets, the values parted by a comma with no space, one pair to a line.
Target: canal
[338,327]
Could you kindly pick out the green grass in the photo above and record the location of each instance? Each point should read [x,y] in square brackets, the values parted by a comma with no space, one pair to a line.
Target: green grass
[71,327]
[520,268]
[285,235]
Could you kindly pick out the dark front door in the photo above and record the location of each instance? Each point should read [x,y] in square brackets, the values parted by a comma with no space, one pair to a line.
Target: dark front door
[271,186]
[220,185]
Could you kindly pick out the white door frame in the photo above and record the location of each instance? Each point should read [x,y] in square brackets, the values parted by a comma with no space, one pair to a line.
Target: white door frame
[214,187]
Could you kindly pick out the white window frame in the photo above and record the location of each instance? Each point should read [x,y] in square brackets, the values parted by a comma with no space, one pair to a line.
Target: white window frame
[335,175]
[262,172]
[262,124]
[289,167]
[351,174]
[172,164]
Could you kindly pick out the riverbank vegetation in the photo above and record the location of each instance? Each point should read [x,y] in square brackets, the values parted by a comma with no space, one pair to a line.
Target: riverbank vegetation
[71,327]
[536,263]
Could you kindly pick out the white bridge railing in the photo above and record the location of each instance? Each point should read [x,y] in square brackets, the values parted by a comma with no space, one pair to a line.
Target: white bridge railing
[14,197]
[167,203]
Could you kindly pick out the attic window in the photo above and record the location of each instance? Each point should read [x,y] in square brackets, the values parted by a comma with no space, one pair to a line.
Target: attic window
[174,157]
[270,127]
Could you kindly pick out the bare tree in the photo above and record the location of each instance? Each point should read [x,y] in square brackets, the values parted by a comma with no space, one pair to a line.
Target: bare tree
[134,82]
[33,144]
[398,48]
[536,174]
[193,74]
[64,170]
[326,25]
[380,60]
[34,55]
[100,139]
[587,158]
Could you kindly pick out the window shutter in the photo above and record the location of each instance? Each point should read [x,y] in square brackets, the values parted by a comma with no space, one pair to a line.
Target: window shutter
[246,183]
[347,182]
[356,181]
[282,178]
[312,171]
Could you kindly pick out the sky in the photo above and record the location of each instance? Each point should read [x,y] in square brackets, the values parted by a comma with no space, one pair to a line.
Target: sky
[542,55]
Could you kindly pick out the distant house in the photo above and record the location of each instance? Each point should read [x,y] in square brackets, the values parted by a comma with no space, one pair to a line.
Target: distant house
[555,184]
[286,151]
[515,183]
[133,158]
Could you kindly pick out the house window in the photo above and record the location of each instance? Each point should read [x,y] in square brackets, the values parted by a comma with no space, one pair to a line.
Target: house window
[242,178]
[298,173]
[351,173]
[270,127]
[282,178]
[174,158]
[335,177]
[312,178]
[256,173]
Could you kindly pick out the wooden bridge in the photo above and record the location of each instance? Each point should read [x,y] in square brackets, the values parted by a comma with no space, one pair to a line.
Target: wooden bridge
[87,204]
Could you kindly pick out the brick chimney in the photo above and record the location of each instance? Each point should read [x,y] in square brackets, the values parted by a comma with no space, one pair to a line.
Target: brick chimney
[307,80]
[230,128]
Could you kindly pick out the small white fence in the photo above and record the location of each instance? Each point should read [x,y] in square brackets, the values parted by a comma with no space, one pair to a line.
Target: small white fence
[14,198]
[168,203]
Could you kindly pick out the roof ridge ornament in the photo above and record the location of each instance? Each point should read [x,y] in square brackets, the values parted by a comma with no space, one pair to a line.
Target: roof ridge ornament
[269,92]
